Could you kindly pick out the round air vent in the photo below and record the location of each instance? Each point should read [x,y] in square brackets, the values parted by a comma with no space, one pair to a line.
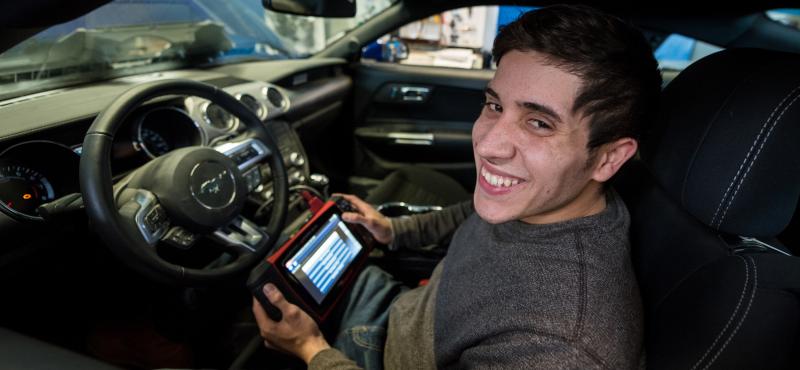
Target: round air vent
[254,105]
[275,97]
[218,118]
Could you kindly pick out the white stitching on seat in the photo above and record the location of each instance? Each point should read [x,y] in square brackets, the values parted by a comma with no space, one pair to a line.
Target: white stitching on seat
[746,311]
[744,161]
[741,181]
[733,314]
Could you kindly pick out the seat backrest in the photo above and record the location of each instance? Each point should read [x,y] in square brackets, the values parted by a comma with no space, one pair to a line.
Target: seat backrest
[720,162]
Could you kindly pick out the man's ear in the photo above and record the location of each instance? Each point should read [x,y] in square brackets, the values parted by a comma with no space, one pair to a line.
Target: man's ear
[611,157]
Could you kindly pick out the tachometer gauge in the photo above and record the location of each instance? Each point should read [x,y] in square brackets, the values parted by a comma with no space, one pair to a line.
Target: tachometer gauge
[163,129]
[22,189]
[153,142]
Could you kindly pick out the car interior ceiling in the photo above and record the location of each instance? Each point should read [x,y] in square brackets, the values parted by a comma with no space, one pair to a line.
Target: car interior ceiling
[78,296]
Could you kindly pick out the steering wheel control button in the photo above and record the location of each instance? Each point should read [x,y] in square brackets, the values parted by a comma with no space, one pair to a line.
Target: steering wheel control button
[212,185]
[150,217]
[180,238]
[296,178]
[296,159]
[155,220]
[244,153]
[252,179]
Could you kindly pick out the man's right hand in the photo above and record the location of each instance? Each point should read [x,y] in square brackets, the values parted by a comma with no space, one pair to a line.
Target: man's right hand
[377,224]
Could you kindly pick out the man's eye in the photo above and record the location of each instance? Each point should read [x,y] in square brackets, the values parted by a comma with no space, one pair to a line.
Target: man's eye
[539,124]
[494,107]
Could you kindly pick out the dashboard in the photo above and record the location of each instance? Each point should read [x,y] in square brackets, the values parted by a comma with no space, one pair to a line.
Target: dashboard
[41,138]
[40,152]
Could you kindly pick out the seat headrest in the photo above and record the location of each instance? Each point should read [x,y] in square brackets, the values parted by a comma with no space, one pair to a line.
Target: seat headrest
[726,144]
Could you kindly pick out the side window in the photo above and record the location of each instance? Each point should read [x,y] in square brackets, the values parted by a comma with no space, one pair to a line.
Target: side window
[460,38]
[786,16]
[676,52]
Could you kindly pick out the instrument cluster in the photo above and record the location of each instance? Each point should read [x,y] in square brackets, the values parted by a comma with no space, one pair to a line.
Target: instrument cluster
[34,173]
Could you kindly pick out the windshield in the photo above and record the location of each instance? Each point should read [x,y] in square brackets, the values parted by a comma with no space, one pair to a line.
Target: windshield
[128,37]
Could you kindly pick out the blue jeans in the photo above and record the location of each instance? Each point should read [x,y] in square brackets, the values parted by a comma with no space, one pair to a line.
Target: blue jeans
[365,315]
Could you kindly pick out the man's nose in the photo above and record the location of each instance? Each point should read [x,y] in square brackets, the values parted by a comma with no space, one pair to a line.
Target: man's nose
[498,141]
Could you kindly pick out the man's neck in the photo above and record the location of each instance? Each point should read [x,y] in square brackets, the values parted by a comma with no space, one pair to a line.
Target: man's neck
[590,201]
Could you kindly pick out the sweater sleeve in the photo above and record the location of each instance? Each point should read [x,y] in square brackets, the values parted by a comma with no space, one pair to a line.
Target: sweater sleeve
[415,232]
[331,359]
[528,350]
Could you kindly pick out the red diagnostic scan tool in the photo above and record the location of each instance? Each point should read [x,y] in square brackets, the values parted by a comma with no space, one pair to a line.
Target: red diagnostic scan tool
[317,266]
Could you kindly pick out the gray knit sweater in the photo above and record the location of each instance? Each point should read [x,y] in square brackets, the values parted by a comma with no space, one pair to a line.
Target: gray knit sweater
[514,295]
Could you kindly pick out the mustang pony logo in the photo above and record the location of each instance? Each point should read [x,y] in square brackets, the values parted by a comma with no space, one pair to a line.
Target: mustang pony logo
[214,184]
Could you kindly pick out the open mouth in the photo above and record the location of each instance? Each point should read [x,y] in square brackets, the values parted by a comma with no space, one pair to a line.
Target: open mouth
[496,183]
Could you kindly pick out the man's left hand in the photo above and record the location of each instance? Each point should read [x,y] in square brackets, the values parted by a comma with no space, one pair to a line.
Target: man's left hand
[296,333]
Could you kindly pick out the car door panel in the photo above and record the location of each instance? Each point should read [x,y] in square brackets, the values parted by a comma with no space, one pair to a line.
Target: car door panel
[418,115]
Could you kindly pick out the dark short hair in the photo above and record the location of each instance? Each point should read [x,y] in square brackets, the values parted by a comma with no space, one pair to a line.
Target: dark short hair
[621,80]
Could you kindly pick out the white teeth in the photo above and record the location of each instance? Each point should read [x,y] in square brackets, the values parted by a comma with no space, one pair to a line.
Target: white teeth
[496,180]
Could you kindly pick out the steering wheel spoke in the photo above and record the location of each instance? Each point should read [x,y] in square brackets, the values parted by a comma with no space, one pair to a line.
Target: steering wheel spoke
[241,236]
[143,212]
[246,153]
[180,238]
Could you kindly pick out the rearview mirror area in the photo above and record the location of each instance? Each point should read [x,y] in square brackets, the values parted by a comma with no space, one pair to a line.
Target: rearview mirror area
[314,8]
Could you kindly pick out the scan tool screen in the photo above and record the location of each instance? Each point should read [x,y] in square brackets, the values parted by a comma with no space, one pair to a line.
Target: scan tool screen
[320,263]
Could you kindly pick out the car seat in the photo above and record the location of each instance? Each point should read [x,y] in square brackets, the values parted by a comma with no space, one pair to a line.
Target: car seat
[418,185]
[718,179]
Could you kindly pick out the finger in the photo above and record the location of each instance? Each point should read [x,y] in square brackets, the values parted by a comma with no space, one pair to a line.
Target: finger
[263,321]
[348,197]
[275,296]
[357,202]
[353,217]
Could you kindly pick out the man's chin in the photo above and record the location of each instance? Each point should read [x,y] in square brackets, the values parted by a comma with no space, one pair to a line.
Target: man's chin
[492,213]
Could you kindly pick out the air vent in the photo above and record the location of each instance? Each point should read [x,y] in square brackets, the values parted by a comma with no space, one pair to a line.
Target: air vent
[254,105]
[218,117]
[275,97]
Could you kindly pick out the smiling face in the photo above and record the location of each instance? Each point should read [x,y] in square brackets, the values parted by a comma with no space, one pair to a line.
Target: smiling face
[530,148]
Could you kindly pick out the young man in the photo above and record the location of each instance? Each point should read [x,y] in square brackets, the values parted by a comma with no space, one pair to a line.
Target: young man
[539,275]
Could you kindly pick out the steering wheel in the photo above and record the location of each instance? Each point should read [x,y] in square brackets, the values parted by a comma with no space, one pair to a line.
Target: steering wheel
[183,195]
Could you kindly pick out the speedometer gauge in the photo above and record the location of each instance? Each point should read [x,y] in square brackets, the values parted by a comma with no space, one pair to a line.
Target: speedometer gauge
[23,189]
[163,129]
[154,142]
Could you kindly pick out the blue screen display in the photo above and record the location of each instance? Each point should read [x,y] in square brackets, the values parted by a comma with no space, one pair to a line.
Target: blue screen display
[320,263]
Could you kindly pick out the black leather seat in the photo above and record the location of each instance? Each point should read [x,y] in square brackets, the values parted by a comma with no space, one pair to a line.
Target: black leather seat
[418,185]
[721,162]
